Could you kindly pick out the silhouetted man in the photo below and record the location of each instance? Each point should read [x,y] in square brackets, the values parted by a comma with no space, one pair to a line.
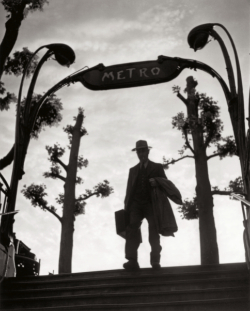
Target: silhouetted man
[138,203]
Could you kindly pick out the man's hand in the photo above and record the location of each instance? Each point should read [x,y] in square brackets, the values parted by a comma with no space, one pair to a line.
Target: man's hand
[152,182]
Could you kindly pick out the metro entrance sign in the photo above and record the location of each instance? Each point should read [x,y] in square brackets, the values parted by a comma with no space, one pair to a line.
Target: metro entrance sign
[130,74]
[127,75]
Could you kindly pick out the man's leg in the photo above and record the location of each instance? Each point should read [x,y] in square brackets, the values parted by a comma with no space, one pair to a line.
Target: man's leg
[154,238]
[133,237]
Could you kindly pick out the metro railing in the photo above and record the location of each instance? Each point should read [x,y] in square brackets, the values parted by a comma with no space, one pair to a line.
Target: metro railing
[245,205]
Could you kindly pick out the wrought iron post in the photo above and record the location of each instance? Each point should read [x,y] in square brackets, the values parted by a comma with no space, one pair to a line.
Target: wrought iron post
[64,56]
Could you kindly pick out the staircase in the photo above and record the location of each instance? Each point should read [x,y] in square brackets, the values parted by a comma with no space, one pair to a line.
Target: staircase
[222,287]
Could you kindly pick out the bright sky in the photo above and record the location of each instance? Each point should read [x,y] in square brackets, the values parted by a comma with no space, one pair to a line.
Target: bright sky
[113,32]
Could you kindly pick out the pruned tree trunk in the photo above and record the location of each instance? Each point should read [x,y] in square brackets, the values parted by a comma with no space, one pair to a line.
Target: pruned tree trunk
[68,218]
[208,239]
[12,28]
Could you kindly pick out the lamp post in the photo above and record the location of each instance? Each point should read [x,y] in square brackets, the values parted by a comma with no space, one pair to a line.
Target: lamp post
[197,39]
[65,56]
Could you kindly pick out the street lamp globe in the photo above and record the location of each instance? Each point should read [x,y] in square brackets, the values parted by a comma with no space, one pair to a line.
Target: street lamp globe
[64,54]
[198,36]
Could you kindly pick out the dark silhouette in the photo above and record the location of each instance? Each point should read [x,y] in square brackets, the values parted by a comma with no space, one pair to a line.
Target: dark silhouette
[143,201]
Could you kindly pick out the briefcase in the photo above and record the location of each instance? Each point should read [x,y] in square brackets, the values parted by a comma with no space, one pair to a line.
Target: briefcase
[121,222]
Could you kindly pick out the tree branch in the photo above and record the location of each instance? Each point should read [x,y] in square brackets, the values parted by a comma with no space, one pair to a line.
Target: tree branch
[53,213]
[87,196]
[214,155]
[187,142]
[60,177]
[182,98]
[174,161]
[56,159]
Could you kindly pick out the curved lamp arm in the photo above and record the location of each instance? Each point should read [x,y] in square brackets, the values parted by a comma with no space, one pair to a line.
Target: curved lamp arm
[228,62]
[198,38]
[241,112]
[65,56]
[32,118]
[239,79]
[32,85]
[24,74]
[193,64]
[240,109]
[17,131]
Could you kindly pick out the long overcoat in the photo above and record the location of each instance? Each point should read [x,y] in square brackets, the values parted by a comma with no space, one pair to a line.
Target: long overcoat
[163,214]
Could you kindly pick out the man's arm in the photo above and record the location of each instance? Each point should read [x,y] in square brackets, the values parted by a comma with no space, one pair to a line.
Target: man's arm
[127,191]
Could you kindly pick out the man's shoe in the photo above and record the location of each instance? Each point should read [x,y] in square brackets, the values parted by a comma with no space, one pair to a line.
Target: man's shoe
[131,265]
[155,265]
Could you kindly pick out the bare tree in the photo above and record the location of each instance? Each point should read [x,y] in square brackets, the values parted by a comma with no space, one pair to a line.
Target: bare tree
[71,205]
[201,129]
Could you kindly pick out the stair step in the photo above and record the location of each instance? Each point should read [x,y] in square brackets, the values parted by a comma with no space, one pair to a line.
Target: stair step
[122,298]
[191,288]
[231,304]
[128,287]
[127,277]
[230,268]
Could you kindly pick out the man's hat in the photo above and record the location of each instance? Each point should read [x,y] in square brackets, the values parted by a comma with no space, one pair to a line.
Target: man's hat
[141,144]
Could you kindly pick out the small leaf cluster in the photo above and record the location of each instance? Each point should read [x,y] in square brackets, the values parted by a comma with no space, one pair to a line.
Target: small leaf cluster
[209,118]
[7,100]
[236,185]
[31,5]
[19,61]
[55,152]
[60,198]
[36,194]
[179,121]
[228,148]
[79,208]
[49,114]
[189,209]
[176,89]
[103,189]
[54,172]
[82,162]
